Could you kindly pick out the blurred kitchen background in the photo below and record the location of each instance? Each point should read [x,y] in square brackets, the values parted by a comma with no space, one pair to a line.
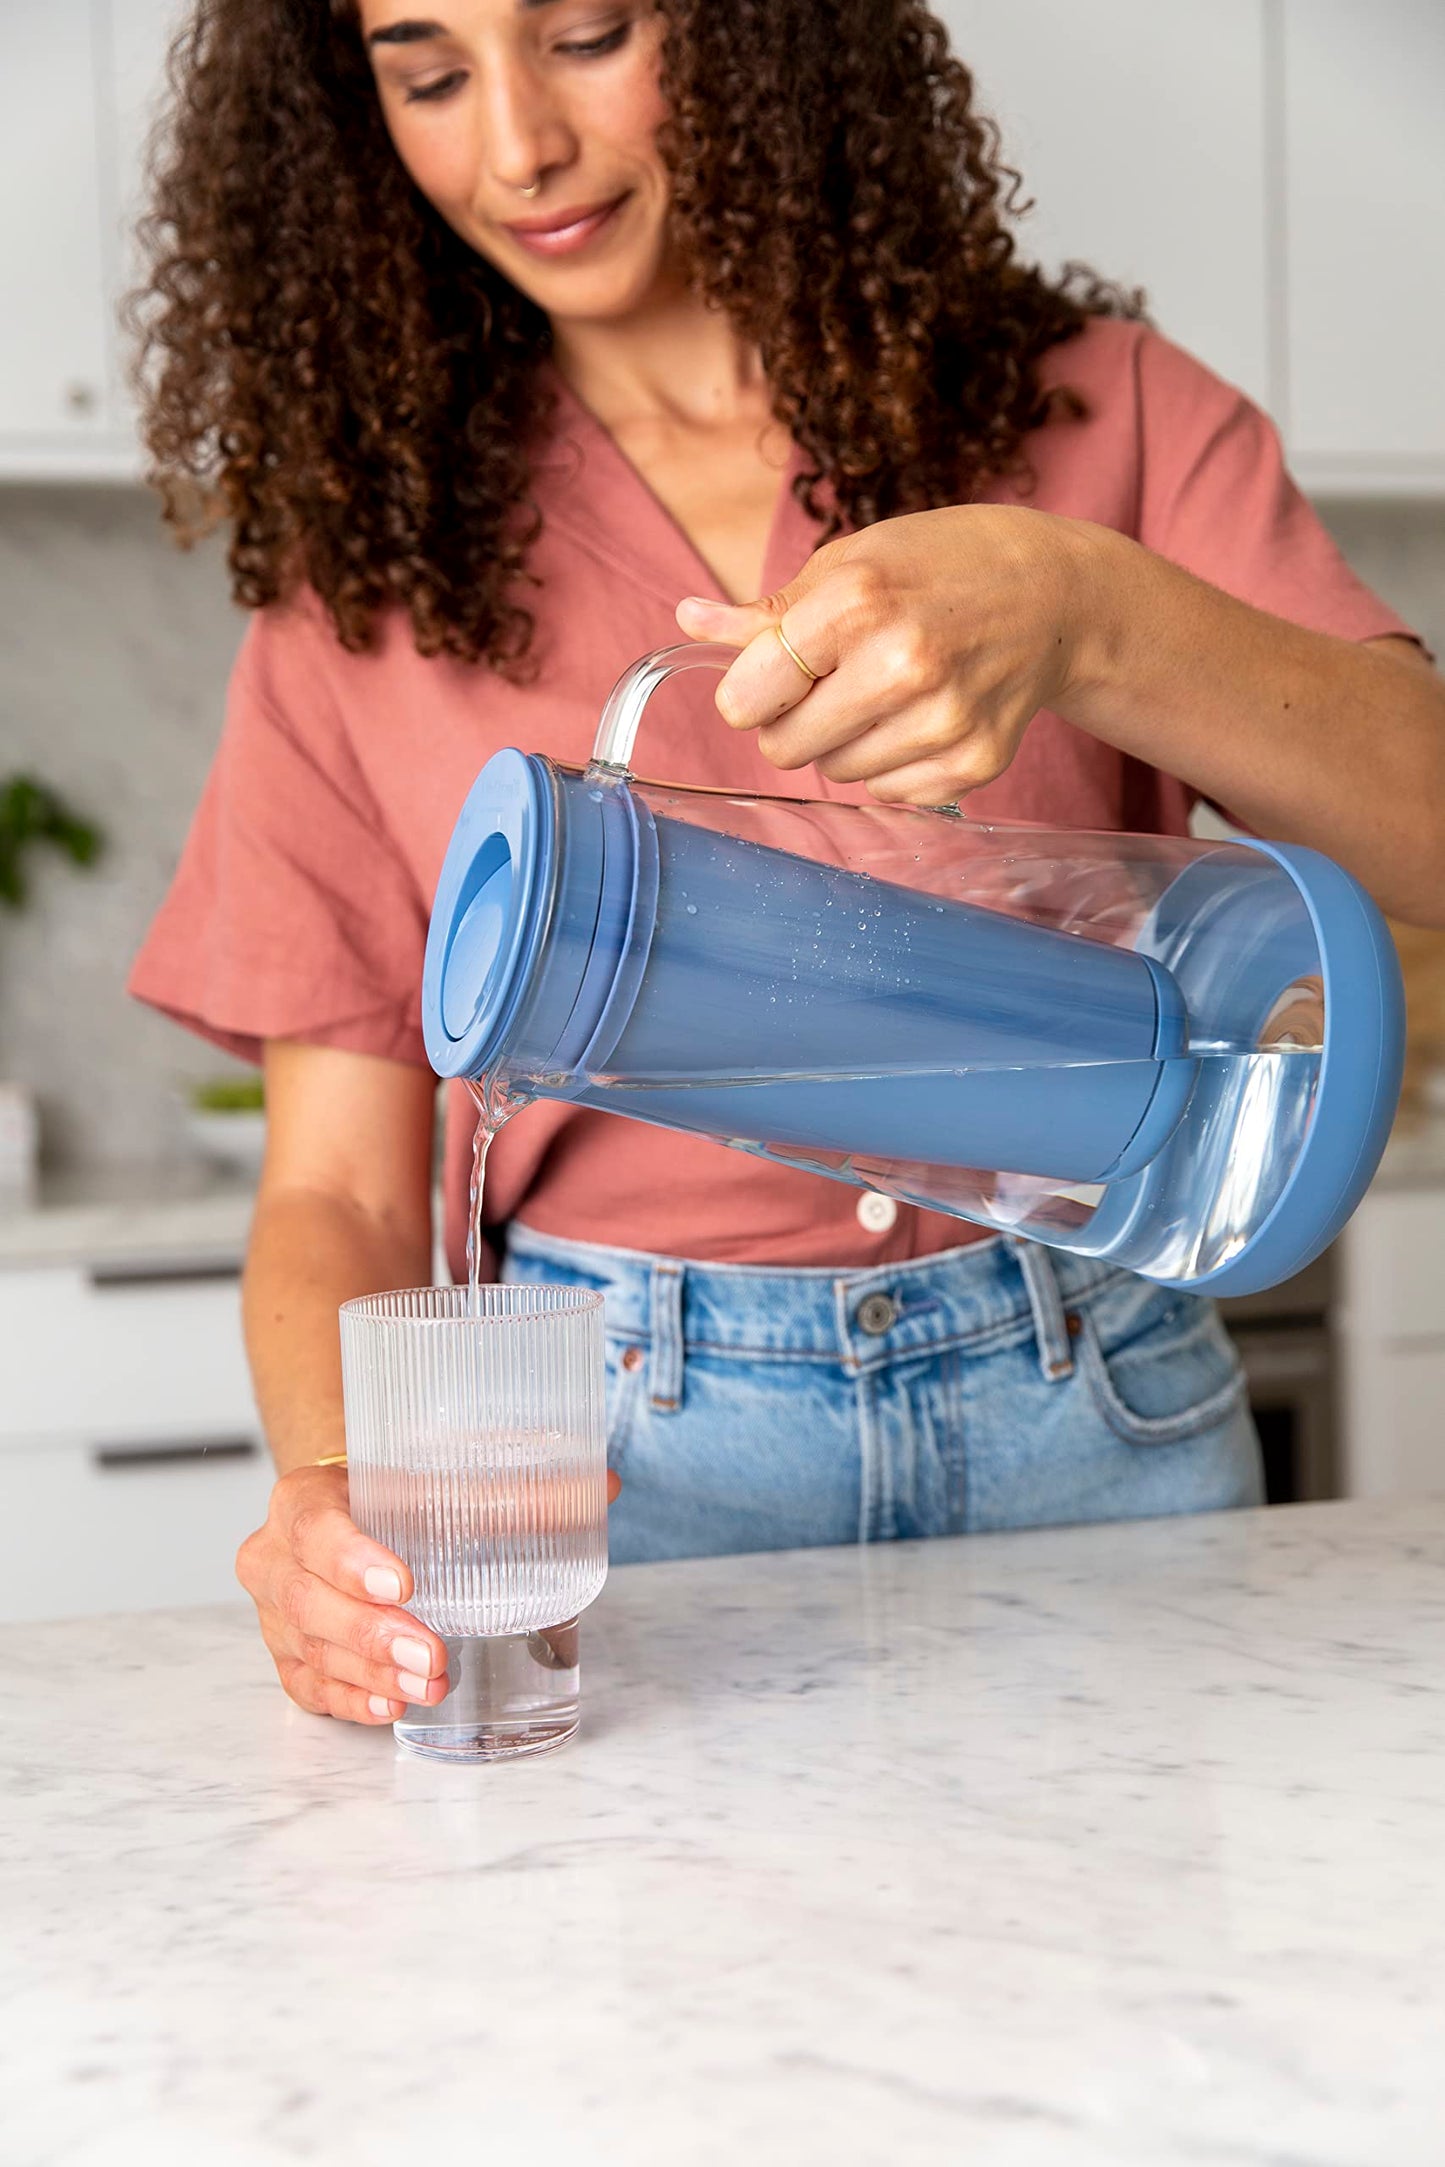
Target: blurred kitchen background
[1271,172]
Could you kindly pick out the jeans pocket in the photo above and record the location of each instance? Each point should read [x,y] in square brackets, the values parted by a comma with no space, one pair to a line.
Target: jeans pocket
[623,1390]
[1160,1365]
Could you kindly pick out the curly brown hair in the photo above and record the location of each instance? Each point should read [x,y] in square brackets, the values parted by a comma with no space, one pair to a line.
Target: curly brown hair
[328,365]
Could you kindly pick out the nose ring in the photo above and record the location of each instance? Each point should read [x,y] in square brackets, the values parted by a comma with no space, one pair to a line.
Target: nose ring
[532,188]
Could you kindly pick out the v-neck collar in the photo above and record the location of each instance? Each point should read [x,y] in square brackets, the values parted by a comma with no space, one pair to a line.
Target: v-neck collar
[589,487]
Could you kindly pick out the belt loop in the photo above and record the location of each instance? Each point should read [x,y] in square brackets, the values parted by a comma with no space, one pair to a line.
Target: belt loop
[666,1326]
[1051,1325]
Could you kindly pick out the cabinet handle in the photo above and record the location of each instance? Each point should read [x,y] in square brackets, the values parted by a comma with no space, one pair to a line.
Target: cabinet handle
[166,1452]
[106,1277]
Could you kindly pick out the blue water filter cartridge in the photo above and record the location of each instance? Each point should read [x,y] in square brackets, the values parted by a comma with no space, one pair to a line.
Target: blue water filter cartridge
[788,1001]
[1139,1048]
[716,984]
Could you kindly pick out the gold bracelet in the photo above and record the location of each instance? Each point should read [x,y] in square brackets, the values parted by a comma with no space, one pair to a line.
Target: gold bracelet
[332,1459]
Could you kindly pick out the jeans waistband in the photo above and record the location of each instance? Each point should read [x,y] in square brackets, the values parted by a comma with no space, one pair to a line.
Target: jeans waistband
[987,1294]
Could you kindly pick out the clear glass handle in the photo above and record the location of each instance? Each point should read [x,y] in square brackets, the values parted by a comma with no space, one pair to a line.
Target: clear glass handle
[617,731]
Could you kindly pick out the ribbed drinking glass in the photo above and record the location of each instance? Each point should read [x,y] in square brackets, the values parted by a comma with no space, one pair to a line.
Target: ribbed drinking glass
[476,1443]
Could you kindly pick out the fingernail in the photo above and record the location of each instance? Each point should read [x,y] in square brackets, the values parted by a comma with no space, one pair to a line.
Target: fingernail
[412,1655]
[378,1705]
[384,1582]
[414,1688]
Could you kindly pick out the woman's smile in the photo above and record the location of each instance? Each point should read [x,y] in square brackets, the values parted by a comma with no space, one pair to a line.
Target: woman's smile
[564,232]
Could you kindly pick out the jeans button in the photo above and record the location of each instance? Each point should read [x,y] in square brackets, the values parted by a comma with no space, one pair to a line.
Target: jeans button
[877,1314]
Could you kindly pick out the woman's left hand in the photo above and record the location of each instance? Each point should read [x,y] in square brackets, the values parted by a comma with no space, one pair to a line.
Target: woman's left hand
[935,638]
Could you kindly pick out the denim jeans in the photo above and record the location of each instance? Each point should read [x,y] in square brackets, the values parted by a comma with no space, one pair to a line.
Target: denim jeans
[999,1385]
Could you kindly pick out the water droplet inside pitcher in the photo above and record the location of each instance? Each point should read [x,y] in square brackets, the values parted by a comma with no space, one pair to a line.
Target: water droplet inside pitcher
[692,910]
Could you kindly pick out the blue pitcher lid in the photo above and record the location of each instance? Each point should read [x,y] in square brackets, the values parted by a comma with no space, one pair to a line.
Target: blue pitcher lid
[486,926]
[533,950]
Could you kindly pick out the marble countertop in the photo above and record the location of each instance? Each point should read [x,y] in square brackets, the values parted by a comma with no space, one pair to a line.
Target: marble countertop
[1109,1847]
[142,1216]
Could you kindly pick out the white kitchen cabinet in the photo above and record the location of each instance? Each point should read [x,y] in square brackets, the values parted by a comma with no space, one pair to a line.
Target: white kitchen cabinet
[1140,131]
[79,86]
[1390,1333]
[1364,233]
[86,1528]
[1395,1427]
[121,1352]
[1271,171]
[54,325]
[1395,1265]
[140,37]
[141,34]
[131,1457]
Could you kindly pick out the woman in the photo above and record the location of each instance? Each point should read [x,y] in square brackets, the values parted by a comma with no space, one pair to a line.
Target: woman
[513,335]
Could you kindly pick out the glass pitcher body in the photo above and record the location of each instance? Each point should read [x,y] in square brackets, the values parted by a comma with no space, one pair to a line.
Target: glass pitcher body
[1178,1055]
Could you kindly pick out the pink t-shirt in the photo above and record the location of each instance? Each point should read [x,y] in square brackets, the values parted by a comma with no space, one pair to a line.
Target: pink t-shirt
[299,909]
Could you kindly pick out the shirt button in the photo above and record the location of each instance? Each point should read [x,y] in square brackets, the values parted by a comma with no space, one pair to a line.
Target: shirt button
[876,1213]
[877,1314]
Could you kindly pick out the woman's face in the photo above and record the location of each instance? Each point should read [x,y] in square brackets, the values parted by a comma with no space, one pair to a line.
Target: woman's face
[487,98]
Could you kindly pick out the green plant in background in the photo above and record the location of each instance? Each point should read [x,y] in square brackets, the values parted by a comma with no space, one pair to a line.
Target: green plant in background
[229,1095]
[31,813]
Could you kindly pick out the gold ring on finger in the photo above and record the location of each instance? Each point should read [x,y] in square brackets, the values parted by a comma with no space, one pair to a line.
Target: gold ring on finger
[792,653]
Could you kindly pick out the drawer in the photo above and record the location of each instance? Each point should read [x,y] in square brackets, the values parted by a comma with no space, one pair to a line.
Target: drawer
[86,1527]
[1393,1266]
[115,1356]
[1394,1436]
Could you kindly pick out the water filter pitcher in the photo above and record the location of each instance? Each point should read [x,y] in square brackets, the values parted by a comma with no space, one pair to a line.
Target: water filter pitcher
[1182,1056]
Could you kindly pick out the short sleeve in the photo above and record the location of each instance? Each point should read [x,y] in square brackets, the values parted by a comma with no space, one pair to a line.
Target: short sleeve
[292,913]
[1216,497]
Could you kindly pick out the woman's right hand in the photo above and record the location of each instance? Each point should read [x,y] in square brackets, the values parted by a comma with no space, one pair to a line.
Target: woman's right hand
[329,1600]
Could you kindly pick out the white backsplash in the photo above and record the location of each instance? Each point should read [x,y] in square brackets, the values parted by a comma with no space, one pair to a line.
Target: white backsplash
[114,653]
